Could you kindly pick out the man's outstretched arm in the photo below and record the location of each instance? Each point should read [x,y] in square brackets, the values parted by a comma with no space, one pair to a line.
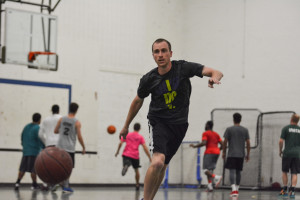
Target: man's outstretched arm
[133,110]
[215,76]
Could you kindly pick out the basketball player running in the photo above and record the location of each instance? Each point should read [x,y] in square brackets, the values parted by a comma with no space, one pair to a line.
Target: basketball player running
[48,137]
[131,152]
[32,145]
[290,136]
[170,89]
[210,139]
[236,136]
[68,127]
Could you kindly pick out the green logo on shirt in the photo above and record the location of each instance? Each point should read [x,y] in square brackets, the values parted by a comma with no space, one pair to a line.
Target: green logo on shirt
[170,96]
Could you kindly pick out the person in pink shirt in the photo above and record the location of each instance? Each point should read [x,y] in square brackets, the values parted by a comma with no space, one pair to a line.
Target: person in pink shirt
[131,152]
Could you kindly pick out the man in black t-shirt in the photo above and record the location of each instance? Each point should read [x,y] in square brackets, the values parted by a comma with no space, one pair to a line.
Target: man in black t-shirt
[170,90]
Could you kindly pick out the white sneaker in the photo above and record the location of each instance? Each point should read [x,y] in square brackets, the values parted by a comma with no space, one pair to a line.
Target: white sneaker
[209,188]
[217,180]
[54,188]
[234,193]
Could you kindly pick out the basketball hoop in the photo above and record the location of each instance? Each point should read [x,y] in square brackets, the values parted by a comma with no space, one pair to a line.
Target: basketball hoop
[33,54]
[31,47]
[43,60]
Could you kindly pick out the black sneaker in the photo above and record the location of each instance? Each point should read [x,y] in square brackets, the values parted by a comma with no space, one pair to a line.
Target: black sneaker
[35,187]
[17,185]
[124,170]
[44,187]
[137,187]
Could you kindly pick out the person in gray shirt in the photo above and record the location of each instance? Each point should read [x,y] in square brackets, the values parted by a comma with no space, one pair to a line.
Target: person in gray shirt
[69,128]
[237,137]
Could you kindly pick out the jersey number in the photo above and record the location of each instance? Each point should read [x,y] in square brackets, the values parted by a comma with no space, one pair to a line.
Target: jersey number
[66,131]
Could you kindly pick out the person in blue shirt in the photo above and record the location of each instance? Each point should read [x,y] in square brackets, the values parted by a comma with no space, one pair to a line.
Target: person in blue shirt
[32,145]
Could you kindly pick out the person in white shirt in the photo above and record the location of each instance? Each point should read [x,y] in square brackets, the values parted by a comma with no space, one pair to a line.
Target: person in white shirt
[46,132]
[49,138]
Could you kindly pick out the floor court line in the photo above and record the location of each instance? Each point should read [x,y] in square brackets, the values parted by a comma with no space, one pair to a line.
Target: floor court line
[129,193]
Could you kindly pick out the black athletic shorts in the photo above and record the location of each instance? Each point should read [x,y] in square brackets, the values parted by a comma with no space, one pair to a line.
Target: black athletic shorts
[73,158]
[131,161]
[27,164]
[166,138]
[234,163]
[291,164]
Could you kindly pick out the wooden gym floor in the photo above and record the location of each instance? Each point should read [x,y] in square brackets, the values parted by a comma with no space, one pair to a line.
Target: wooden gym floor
[129,193]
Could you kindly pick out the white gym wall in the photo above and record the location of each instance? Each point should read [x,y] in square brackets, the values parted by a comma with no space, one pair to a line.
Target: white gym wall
[104,48]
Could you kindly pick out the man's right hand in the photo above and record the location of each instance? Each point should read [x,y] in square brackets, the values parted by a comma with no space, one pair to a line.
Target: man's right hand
[224,155]
[123,133]
[247,158]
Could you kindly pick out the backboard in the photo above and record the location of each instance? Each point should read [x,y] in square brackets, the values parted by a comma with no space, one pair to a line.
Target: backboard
[30,39]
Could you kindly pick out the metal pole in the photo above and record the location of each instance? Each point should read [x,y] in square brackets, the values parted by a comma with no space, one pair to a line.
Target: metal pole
[49,34]
[31,29]
[29,3]
[41,6]
[1,53]
[44,36]
[55,5]
[0,22]
[260,151]
[49,7]
[165,184]
[199,178]
[181,166]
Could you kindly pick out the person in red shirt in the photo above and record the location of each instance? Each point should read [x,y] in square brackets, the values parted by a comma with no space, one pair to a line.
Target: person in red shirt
[210,140]
[131,152]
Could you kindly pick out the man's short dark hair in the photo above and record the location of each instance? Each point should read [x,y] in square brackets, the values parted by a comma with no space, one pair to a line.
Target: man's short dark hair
[159,40]
[36,117]
[295,118]
[137,126]
[73,107]
[237,117]
[209,125]
[55,109]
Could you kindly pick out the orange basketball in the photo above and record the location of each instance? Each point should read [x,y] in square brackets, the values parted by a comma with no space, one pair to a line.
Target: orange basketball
[111,129]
